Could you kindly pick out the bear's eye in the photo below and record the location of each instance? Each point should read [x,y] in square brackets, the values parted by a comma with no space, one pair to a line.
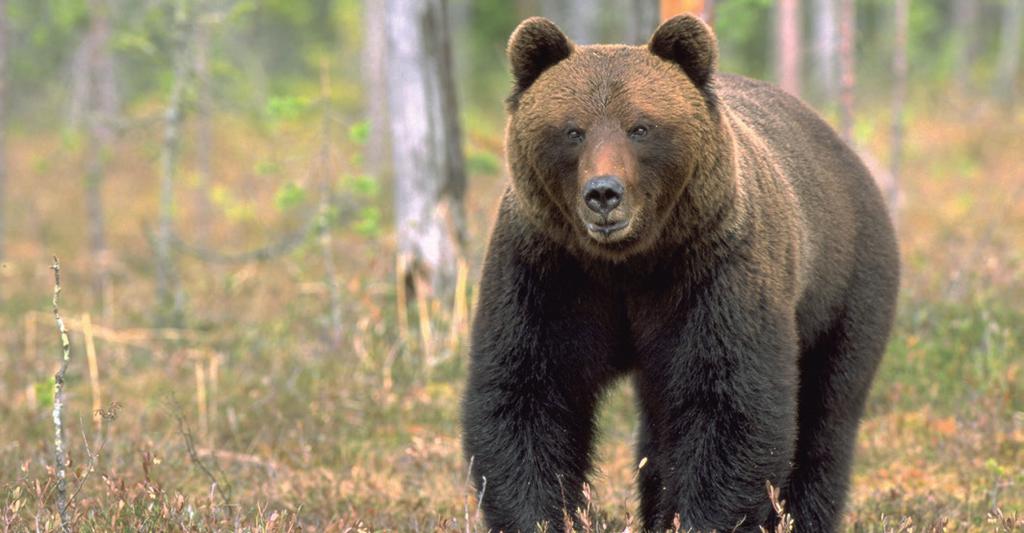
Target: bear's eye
[575,135]
[638,132]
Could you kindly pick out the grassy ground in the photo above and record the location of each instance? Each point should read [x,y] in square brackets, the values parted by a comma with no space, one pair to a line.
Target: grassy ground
[248,418]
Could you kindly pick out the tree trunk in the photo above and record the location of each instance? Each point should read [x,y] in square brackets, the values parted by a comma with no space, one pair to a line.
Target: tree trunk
[671,8]
[204,131]
[965,13]
[168,292]
[847,67]
[101,104]
[901,21]
[375,87]
[4,42]
[825,51]
[334,324]
[1008,64]
[787,41]
[426,142]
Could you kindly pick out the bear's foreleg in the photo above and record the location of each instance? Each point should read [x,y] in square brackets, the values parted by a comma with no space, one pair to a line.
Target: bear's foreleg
[541,344]
[717,390]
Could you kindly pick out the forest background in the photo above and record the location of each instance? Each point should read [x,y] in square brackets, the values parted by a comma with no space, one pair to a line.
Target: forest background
[267,263]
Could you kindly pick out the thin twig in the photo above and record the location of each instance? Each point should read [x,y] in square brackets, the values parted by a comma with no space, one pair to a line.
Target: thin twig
[223,487]
[58,404]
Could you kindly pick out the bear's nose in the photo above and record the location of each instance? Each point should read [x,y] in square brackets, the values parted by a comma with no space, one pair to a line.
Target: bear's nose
[602,194]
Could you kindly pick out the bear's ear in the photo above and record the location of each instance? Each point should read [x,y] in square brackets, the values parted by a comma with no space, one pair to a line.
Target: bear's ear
[689,42]
[535,46]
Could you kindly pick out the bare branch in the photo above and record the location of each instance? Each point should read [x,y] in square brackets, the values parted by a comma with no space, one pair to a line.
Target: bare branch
[58,404]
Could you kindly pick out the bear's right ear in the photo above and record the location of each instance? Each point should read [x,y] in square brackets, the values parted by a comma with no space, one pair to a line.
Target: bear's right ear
[535,46]
[689,42]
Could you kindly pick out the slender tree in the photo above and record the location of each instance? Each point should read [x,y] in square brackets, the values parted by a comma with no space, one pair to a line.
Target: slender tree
[964,17]
[1008,63]
[847,67]
[95,102]
[901,23]
[168,292]
[580,19]
[4,42]
[204,121]
[374,86]
[425,139]
[787,45]
[825,49]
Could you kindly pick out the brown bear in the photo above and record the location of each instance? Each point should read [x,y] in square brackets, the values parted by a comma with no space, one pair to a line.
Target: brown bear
[706,234]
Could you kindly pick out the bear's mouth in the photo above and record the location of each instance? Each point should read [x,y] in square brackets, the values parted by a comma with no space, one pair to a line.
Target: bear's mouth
[607,230]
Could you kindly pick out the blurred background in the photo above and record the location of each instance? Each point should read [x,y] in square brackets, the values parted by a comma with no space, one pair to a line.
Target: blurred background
[270,217]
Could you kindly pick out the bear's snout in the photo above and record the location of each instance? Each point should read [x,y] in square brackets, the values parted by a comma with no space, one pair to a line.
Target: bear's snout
[603,194]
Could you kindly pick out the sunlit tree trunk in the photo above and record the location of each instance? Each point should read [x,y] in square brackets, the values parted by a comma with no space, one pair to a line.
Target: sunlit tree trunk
[168,292]
[847,67]
[375,87]
[704,8]
[787,45]
[426,142]
[4,42]
[825,40]
[1008,63]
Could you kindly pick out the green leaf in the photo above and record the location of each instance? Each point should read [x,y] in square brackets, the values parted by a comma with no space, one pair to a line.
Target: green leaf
[359,132]
[289,196]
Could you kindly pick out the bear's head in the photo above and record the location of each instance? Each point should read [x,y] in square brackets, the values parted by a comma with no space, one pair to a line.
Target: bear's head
[603,140]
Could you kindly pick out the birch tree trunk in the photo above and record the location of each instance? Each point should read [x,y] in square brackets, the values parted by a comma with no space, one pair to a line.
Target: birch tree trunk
[580,19]
[168,293]
[1008,63]
[375,40]
[4,42]
[847,67]
[825,40]
[787,45]
[426,141]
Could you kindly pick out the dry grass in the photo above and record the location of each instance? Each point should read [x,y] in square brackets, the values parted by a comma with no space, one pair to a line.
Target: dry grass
[248,420]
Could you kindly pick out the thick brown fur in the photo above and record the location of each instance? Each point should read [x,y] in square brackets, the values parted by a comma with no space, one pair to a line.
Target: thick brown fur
[749,294]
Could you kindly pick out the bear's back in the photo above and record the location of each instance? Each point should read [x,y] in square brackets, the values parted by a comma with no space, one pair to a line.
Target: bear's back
[839,202]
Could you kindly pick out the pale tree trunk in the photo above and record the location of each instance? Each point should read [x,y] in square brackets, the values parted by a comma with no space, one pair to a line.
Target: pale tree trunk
[425,140]
[1008,64]
[965,14]
[901,22]
[168,292]
[4,42]
[847,67]
[787,45]
[375,40]
[101,105]
[825,40]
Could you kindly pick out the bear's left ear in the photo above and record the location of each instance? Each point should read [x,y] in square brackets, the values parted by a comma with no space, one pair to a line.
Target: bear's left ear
[689,42]
[535,46]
